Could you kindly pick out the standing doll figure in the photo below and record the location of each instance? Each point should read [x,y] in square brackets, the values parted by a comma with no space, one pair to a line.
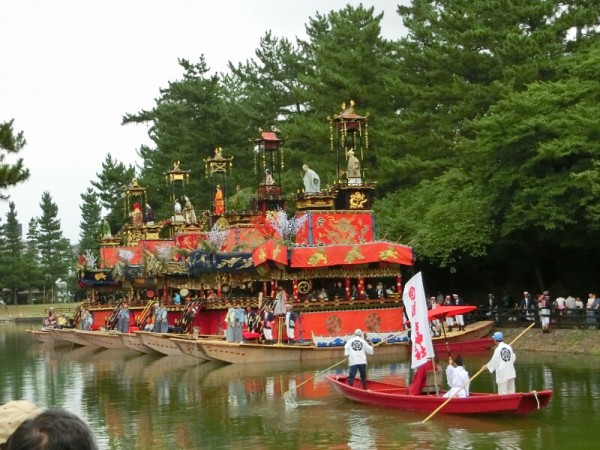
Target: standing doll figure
[123,318]
[161,324]
[219,201]
[290,324]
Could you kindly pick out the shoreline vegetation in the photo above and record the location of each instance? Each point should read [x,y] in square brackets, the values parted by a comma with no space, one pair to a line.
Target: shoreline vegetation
[574,341]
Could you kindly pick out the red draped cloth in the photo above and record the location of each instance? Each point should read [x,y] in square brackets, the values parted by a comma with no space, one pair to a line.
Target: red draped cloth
[420,378]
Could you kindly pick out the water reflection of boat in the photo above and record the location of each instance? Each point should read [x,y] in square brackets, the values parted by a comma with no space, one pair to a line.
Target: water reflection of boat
[135,367]
[396,396]
[162,365]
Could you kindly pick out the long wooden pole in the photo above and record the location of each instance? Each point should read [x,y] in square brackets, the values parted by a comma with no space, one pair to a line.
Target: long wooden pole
[474,376]
[335,365]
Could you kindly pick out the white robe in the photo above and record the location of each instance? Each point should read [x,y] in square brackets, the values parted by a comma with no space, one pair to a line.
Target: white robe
[503,362]
[457,378]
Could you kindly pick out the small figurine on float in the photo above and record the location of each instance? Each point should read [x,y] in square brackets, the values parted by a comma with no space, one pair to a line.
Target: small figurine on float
[149,217]
[219,201]
[188,211]
[136,215]
[312,182]
[353,173]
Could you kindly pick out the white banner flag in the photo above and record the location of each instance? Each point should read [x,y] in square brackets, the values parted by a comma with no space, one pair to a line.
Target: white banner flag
[416,310]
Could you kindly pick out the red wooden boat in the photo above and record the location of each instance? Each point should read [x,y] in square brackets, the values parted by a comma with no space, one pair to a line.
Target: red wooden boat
[463,347]
[396,396]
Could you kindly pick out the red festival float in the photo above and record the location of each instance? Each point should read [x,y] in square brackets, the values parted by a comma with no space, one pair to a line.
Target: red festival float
[338,275]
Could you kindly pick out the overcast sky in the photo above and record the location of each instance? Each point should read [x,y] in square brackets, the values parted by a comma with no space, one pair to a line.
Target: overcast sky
[70,69]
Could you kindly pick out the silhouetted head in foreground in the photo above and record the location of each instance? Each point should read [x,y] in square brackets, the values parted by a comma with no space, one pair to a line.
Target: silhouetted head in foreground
[54,429]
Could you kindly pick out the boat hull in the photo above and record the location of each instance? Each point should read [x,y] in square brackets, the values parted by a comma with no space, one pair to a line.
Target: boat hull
[134,342]
[104,339]
[68,335]
[191,347]
[234,353]
[41,336]
[396,397]
[159,342]
[473,331]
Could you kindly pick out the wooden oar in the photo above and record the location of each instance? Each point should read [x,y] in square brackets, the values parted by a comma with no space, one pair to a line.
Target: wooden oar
[473,377]
[286,393]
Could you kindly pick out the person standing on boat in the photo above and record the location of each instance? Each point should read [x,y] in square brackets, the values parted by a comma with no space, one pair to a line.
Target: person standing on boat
[356,349]
[84,319]
[460,319]
[123,318]
[239,319]
[290,323]
[230,322]
[503,363]
[267,322]
[161,324]
[458,378]
[280,301]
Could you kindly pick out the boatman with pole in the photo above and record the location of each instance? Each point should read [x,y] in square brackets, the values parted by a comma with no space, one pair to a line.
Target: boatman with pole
[356,349]
[503,363]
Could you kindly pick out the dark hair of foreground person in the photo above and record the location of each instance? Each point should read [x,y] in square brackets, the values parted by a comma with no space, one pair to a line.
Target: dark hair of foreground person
[54,429]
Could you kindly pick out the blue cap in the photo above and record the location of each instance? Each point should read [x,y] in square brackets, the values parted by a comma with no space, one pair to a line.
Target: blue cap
[498,336]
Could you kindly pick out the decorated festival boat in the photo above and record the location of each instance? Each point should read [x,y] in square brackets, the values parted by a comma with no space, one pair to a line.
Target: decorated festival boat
[388,344]
[336,273]
[396,396]
[43,336]
[427,396]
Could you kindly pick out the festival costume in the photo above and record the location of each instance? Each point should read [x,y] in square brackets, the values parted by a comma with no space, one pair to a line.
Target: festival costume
[290,325]
[356,349]
[457,378]
[230,321]
[268,318]
[503,363]
[123,321]
[239,320]
[161,325]
[280,303]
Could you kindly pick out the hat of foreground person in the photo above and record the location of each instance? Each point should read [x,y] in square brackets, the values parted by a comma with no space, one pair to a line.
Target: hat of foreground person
[498,336]
[13,414]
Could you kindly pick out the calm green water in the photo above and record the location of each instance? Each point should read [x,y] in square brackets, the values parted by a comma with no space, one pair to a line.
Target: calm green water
[135,401]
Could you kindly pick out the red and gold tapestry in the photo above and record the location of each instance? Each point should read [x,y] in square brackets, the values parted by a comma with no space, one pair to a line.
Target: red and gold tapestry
[109,256]
[383,252]
[324,228]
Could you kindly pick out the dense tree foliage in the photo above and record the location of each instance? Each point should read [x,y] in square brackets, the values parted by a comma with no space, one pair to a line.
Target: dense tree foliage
[12,262]
[55,251]
[112,181]
[11,143]
[483,137]
[90,222]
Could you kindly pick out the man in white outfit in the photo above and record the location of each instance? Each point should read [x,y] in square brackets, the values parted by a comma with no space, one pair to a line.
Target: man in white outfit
[503,363]
[458,378]
[356,350]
